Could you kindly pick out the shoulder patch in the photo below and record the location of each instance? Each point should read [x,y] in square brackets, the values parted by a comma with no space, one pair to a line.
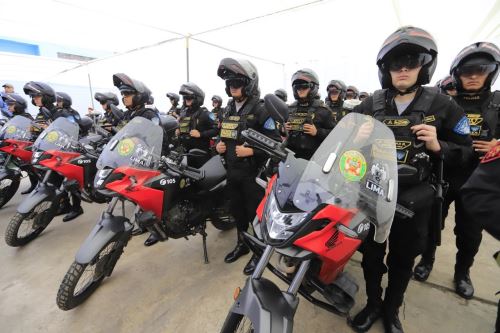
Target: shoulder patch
[492,155]
[211,115]
[430,119]
[462,127]
[270,124]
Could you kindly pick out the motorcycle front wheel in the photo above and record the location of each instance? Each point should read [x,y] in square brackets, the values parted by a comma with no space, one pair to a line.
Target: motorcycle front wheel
[237,323]
[8,187]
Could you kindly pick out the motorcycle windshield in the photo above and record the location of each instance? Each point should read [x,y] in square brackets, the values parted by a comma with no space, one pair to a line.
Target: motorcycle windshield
[354,168]
[18,128]
[138,144]
[62,134]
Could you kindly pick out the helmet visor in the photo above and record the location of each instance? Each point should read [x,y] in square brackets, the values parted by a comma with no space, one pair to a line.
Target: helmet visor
[470,70]
[236,83]
[302,85]
[408,61]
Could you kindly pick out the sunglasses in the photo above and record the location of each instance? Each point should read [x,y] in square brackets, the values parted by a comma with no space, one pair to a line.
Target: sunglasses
[236,83]
[334,91]
[408,61]
[127,93]
[476,69]
[303,86]
[188,97]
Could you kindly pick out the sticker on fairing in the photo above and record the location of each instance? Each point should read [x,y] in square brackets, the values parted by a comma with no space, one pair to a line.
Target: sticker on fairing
[11,129]
[352,165]
[462,127]
[270,124]
[52,136]
[126,147]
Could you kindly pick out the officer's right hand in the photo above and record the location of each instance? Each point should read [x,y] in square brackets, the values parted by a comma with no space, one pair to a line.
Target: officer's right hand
[221,147]
[288,126]
[177,132]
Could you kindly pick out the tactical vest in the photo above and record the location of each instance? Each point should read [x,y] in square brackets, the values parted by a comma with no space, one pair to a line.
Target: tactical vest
[409,150]
[481,123]
[298,119]
[185,125]
[232,126]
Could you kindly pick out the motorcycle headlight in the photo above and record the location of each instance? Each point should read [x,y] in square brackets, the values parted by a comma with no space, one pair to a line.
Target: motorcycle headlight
[101,177]
[279,224]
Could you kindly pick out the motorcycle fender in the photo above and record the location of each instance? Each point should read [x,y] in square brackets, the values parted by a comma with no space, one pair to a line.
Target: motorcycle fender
[269,309]
[107,228]
[38,195]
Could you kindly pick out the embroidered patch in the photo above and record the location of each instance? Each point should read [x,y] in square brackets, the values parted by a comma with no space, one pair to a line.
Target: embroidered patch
[212,115]
[462,127]
[429,119]
[492,155]
[270,124]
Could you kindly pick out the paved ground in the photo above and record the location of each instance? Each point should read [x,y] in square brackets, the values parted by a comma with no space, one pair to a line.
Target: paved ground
[168,288]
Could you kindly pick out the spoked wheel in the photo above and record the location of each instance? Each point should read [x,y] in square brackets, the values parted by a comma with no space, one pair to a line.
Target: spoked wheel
[82,280]
[23,228]
[236,323]
[8,187]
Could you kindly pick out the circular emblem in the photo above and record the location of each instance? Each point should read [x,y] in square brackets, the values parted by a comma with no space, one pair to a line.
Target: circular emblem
[126,147]
[52,136]
[11,129]
[182,183]
[352,165]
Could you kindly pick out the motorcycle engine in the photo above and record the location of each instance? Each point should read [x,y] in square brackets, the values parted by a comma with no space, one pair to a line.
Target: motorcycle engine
[183,218]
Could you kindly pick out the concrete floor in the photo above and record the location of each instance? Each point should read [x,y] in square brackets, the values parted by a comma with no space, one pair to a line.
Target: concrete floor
[168,288]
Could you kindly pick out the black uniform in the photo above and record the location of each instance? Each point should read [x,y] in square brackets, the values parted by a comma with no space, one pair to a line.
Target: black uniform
[482,112]
[337,109]
[314,112]
[244,193]
[196,119]
[408,236]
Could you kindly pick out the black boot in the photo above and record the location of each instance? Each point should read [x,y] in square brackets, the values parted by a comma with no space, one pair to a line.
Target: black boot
[423,269]
[250,266]
[138,231]
[152,240]
[463,285]
[240,250]
[73,214]
[392,324]
[365,318]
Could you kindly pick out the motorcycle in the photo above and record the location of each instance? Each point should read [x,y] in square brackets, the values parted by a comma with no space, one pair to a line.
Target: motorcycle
[68,167]
[173,200]
[15,159]
[314,215]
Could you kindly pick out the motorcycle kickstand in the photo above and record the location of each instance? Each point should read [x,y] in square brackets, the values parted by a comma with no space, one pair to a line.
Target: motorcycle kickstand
[205,252]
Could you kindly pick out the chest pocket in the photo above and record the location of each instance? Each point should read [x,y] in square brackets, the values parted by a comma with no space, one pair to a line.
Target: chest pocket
[298,119]
[476,121]
[184,125]
[231,127]
[406,144]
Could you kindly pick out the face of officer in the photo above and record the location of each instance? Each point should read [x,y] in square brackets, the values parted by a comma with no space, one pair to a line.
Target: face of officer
[334,94]
[59,104]
[404,78]
[350,94]
[172,101]
[12,107]
[38,101]
[474,80]
[127,98]
[215,104]
[188,100]
[8,90]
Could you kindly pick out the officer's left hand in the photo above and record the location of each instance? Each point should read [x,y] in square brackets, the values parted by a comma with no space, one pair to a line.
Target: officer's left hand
[427,134]
[195,133]
[310,129]
[242,151]
[483,146]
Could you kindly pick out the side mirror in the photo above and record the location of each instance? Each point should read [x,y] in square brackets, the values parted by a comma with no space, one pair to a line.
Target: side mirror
[276,108]
[46,113]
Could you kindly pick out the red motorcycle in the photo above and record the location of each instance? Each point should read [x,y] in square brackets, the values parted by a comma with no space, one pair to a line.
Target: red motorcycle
[15,145]
[173,200]
[315,214]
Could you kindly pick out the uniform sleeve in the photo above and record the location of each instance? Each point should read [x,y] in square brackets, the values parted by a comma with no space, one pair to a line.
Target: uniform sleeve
[208,128]
[454,136]
[365,107]
[326,124]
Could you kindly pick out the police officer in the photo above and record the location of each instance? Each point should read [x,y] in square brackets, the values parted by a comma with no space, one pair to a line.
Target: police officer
[310,121]
[196,124]
[363,95]
[352,92]
[336,91]
[427,126]
[217,107]
[244,110]
[112,115]
[447,86]
[64,109]
[474,70]
[8,89]
[16,105]
[135,95]
[281,93]
[174,110]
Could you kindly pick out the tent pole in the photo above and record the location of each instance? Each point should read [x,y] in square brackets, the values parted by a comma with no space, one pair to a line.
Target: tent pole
[187,57]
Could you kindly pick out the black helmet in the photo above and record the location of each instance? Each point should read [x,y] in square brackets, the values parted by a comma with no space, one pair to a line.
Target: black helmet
[124,83]
[445,84]
[309,76]
[106,97]
[218,99]
[477,54]
[230,69]
[281,93]
[19,102]
[340,85]
[191,89]
[85,124]
[408,41]
[174,96]
[151,100]
[363,94]
[354,90]
[36,88]
[64,98]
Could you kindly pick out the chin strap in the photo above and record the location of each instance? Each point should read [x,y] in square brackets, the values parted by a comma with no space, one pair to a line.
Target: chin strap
[408,91]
